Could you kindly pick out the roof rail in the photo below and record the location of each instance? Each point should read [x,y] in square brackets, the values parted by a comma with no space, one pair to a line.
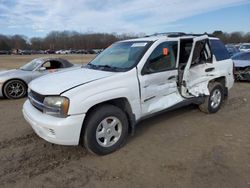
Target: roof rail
[197,35]
[168,34]
[178,34]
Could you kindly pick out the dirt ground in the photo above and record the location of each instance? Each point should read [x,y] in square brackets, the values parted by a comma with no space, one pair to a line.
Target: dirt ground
[184,148]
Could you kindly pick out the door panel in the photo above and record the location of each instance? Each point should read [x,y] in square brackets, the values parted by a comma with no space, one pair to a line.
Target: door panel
[159,91]
[198,70]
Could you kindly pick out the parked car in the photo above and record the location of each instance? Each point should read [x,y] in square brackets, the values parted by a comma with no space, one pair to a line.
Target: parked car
[99,104]
[58,52]
[14,83]
[63,52]
[24,52]
[242,66]
[81,51]
[49,51]
[245,47]
[90,51]
[5,52]
[232,50]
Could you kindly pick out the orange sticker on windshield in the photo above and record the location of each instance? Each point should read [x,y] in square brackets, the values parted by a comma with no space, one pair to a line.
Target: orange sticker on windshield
[165,51]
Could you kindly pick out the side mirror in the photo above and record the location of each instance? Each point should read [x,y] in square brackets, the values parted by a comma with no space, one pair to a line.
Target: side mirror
[42,69]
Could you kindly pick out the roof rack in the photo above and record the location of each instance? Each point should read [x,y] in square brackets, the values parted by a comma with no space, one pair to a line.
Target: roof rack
[178,34]
[197,35]
[168,34]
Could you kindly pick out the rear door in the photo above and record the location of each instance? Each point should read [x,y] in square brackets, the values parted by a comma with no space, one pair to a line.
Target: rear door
[199,69]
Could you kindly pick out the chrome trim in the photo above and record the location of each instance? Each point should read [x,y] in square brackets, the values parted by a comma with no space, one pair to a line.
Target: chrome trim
[41,106]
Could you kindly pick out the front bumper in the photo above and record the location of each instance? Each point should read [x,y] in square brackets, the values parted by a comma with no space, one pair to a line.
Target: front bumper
[63,131]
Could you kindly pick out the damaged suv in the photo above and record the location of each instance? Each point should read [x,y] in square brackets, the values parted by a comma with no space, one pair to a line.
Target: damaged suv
[101,103]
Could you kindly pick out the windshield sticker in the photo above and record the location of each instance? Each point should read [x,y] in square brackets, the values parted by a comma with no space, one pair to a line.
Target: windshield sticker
[141,44]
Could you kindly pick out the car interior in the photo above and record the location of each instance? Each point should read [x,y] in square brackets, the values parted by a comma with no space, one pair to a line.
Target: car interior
[52,65]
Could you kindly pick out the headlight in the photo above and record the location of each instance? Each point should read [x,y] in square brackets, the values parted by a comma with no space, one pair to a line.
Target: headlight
[56,106]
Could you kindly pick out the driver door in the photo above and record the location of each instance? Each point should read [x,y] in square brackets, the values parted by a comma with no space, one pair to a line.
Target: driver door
[158,81]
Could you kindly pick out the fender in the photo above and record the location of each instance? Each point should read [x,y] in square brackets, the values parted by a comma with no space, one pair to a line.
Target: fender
[88,102]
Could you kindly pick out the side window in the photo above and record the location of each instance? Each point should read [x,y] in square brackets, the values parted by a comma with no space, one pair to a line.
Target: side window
[202,53]
[46,65]
[52,65]
[163,57]
[219,50]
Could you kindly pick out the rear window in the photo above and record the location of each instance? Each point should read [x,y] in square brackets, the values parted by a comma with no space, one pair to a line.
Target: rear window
[219,50]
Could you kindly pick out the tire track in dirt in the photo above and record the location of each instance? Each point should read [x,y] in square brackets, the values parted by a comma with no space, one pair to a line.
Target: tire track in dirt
[29,156]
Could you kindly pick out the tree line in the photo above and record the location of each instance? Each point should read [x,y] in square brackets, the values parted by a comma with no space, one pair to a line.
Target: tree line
[57,40]
[234,37]
[74,40]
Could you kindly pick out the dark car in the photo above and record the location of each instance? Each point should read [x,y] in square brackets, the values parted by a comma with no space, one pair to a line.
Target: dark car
[81,51]
[49,51]
[242,66]
[91,51]
[5,52]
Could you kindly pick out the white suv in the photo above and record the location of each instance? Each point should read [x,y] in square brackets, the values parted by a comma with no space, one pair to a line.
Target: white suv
[99,104]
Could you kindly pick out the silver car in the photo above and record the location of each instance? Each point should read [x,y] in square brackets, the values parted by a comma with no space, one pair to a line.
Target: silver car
[14,83]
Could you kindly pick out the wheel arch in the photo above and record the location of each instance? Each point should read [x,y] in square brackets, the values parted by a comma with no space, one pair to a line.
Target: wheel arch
[223,82]
[121,103]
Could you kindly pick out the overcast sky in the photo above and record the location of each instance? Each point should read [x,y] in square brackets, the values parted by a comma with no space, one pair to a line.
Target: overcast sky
[38,17]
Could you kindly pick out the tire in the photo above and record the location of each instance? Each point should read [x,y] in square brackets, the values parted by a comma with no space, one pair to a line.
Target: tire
[14,89]
[214,101]
[106,130]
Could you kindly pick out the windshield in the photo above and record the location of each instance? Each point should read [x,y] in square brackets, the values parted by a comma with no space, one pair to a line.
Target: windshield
[120,56]
[31,65]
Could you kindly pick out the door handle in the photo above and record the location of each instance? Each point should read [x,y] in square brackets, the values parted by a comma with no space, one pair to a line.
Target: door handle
[172,77]
[209,69]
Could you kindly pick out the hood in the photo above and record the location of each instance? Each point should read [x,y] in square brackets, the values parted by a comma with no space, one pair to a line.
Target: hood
[59,82]
[8,72]
[241,63]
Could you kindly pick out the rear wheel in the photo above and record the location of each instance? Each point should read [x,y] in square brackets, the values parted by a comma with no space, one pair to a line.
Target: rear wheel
[15,89]
[106,130]
[214,101]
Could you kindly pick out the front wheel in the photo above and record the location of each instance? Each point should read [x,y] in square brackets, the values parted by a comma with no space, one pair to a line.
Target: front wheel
[15,89]
[106,130]
[214,101]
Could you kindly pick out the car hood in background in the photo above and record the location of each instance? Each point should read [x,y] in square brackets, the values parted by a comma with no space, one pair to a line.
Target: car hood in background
[241,63]
[59,82]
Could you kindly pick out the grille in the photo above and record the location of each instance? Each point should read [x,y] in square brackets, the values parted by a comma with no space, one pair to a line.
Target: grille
[38,97]
[36,100]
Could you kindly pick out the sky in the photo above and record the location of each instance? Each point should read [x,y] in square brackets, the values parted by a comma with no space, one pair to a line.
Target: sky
[36,18]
